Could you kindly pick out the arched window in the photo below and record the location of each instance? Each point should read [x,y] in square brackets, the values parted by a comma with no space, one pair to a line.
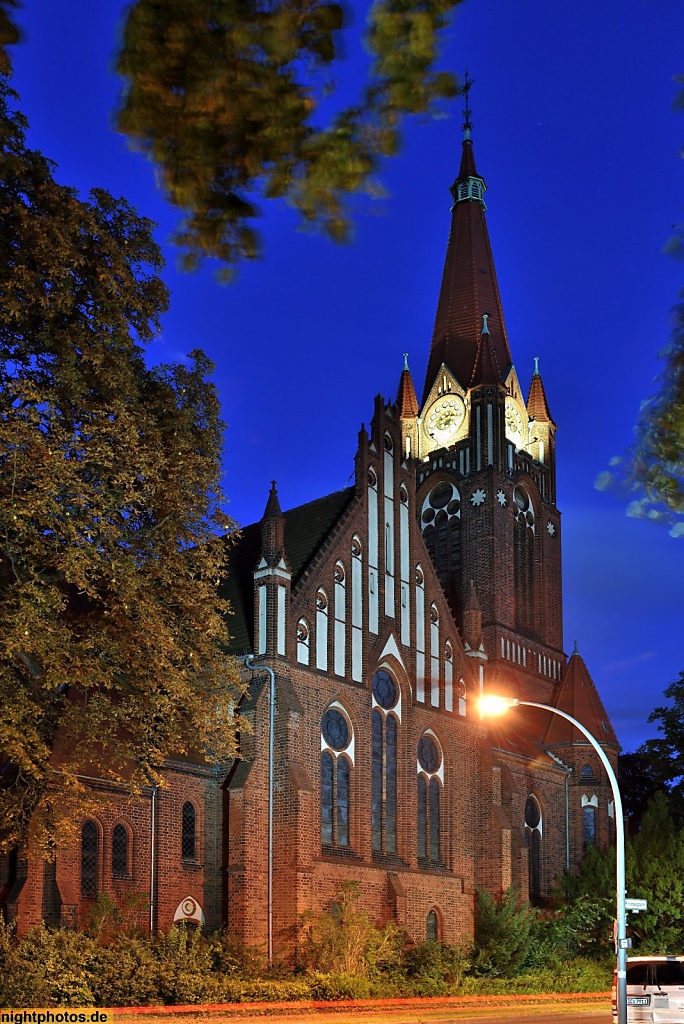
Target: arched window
[189,832]
[533,832]
[440,522]
[432,927]
[586,771]
[384,720]
[89,858]
[523,560]
[429,795]
[303,642]
[589,825]
[120,844]
[322,631]
[337,741]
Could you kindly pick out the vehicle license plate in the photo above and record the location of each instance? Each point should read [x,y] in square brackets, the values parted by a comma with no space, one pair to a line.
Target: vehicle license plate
[638,1000]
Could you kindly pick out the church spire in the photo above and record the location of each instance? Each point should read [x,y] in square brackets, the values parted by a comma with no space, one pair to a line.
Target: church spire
[407,403]
[469,286]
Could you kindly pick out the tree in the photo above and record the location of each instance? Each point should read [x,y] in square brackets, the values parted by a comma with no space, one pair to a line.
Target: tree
[225,97]
[112,639]
[640,780]
[665,757]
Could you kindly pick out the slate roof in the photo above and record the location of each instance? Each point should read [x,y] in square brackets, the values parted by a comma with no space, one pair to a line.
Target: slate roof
[469,289]
[306,527]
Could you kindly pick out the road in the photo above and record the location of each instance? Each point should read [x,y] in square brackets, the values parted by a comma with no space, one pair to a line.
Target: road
[594,1013]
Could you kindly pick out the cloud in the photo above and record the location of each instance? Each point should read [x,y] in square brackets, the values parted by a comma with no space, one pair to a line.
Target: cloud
[629,663]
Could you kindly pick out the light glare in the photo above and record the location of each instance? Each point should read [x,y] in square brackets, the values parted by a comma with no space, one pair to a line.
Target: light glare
[494,705]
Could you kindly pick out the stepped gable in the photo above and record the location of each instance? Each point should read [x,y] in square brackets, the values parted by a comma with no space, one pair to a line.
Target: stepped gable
[306,527]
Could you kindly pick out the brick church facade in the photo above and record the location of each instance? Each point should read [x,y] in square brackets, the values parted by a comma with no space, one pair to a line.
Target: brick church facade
[371,621]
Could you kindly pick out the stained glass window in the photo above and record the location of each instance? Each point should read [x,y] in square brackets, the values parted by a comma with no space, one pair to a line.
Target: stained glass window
[89,859]
[384,690]
[376,782]
[335,729]
[589,820]
[335,779]
[434,820]
[422,817]
[188,838]
[327,771]
[432,927]
[391,785]
[120,851]
[342,801]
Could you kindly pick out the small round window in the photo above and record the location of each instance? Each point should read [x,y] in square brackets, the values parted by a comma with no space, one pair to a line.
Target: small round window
[384,690]
[335,729]
[428,754]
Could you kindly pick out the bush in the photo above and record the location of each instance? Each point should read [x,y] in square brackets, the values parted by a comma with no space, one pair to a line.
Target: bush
[505,933]
[435,968]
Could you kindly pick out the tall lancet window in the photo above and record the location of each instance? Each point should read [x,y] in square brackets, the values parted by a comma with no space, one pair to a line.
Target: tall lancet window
[430,765]
[337,758]
[322,631]
[440,521]
[386,716]
[523,560]
[533,834]
[340,613]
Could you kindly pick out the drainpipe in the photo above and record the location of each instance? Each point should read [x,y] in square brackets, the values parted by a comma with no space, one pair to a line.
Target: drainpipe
[249,663]
[153,853]
[568,773]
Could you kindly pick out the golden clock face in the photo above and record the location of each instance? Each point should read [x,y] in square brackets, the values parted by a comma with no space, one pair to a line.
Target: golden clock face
[444,419]
[514,423]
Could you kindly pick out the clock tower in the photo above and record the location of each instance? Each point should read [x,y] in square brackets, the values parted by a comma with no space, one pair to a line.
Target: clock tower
[486,461]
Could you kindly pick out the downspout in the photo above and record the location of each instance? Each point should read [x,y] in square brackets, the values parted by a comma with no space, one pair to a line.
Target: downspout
[249,659]
[568,773]
[153,853]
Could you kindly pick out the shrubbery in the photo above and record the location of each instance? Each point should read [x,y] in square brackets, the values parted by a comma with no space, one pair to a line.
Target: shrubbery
[342,955]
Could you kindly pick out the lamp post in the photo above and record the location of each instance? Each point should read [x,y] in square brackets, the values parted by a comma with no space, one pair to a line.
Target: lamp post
[492,705]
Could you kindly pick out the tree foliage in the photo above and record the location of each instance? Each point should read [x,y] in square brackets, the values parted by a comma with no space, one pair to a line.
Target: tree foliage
[225,97]
[504,934]
[110,502]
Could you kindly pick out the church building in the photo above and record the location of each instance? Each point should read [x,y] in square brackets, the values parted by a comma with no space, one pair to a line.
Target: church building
[370,622]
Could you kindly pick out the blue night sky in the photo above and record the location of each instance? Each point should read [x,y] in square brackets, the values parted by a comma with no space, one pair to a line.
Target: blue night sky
[581,152]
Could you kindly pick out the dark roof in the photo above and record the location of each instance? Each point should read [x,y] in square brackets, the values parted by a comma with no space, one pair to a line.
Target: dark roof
[306,527]
[469,289]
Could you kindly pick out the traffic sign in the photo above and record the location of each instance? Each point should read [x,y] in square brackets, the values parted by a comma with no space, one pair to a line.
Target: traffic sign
[636,905]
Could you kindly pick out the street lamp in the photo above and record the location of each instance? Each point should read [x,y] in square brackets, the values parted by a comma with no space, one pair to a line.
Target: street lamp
[492,705]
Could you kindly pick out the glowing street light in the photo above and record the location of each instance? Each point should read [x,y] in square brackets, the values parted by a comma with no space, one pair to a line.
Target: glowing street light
[492,705]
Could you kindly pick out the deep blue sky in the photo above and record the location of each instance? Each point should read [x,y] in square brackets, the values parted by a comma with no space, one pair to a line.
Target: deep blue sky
[575,137]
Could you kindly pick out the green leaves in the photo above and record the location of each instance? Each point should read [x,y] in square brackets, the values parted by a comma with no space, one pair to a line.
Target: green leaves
[224,97]
[112,637]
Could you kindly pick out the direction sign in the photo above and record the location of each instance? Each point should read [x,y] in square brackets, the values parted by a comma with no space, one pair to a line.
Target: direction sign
[636,905]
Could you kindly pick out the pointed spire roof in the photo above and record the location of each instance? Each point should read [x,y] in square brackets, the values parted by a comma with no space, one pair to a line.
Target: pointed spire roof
[407,403]
[486,369]
[273,528]
[537,405]
[579,698]
[273,504]
[469,286]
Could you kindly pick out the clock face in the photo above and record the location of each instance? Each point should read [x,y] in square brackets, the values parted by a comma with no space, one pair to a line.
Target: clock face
[444,419]
[514,423]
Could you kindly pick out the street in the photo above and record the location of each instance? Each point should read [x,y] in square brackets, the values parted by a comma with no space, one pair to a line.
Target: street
[593,1013]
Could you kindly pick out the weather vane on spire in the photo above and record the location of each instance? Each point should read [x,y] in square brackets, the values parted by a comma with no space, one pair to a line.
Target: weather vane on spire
[467,112]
